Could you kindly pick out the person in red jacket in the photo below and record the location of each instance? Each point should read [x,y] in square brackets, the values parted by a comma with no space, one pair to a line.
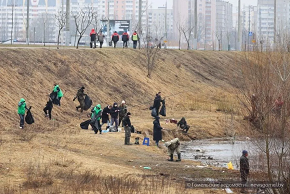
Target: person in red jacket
[93,36]
[115,38]
[125,39]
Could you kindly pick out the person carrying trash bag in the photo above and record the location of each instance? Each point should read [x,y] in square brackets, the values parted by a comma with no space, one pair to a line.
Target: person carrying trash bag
[48,107]
[127,128]
[81,98]
[173,145]
[163,108]
[156,105]
[105,116]
[21,111]
[95,119]
[56,95]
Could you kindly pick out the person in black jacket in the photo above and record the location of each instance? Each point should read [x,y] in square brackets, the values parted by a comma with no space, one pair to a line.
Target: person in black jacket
[183,125]
[125,39]
[114,115]
[48,107]
[157,133]
[157,102]
[127,128]
[244,169]
[105,116]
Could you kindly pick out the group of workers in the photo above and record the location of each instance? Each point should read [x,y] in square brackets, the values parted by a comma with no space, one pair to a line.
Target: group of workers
[114,39]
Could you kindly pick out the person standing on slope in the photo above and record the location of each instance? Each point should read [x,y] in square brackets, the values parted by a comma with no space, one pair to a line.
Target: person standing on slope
[125,39]
[173,145]
[114,115]
[105,116]
[115,38]
[81,98]
[48,107]
[157,102]
[21,112]
[127,127]
[135,39]
[123,111]
[58,92]
[157,133]
[95,119]
[93,36]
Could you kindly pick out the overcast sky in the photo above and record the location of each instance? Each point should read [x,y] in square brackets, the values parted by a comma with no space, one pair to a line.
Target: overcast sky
[160,3]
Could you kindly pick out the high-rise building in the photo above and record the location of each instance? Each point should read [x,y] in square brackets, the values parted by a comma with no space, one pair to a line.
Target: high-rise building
[224,24]
[159,26]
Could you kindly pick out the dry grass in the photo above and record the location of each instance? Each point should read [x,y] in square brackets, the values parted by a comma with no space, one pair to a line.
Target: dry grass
[195,89]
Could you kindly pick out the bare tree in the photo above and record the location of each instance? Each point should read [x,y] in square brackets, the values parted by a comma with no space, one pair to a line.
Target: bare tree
[151,52]
[218,35]
[265,94]
[187,31]
[179,35]
[83,19]
[61,22]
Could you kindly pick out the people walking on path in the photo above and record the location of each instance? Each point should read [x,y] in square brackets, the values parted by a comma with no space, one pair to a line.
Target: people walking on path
[93,36]
[125,39]
[101,38]
[135,39]
[115,38]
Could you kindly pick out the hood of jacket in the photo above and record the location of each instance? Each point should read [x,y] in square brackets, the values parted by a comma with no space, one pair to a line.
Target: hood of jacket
[22,100]
[98,106]
[93,31]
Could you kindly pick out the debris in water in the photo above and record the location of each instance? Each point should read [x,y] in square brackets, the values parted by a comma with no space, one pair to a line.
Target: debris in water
[228,190]
[146,167]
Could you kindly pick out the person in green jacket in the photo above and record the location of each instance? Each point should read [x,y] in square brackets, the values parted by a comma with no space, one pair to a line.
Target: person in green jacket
[59,93]
[21,111]
[95,119]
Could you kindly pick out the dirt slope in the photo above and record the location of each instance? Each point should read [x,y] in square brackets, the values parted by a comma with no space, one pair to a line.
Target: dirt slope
[195,85]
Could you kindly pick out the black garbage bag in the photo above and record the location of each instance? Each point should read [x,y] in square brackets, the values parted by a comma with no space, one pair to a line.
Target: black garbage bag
[132,129]
[29,118]
[163,109]
[53,96]
[154,112]
[85,124]
[88,103]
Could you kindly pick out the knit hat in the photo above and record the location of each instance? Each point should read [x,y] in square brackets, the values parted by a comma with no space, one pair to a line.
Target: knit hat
[128,113]
[123,101]
[245,152]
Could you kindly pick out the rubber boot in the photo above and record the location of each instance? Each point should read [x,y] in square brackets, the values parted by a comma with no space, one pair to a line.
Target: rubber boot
[179,158]
[91,45]
[171,157]
[126,140]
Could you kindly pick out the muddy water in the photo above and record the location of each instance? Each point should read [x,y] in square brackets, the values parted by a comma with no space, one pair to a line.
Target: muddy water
[216,152]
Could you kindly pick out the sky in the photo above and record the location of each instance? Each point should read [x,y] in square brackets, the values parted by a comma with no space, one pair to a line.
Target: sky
[160,3]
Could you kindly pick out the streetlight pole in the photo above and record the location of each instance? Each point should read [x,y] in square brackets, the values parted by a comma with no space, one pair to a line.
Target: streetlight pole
[239,27]
[67,27]
[108,25]
[27,25]
[140,22]
[195,25]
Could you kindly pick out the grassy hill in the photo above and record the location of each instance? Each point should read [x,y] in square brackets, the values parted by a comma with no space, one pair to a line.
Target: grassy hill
[197,84]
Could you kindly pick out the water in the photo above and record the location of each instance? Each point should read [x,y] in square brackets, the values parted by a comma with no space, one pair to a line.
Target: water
[216,152]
